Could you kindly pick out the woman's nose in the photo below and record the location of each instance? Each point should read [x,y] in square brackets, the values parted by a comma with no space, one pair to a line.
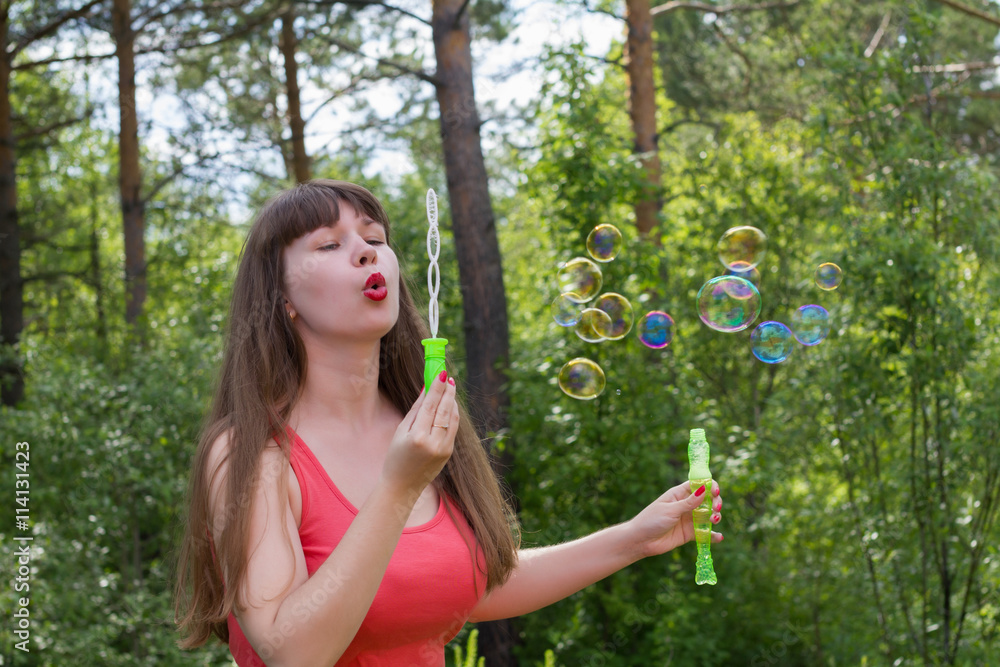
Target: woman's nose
[368,255]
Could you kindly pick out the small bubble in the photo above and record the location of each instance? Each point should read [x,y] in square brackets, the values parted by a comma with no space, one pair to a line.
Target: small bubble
[582,379]
[592,322]
[619,320]
[810,324]
[656,329]
[829,276]
[742,248]
[566,309]
[581,278]
[604,243]
[728,303]
[745,271]
[771,342]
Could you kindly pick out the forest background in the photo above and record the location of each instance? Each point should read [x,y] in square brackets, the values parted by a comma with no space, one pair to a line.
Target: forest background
[861,477]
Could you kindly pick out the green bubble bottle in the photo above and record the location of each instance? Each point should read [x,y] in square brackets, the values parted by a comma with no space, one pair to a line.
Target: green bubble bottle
[434,347]
[698,454]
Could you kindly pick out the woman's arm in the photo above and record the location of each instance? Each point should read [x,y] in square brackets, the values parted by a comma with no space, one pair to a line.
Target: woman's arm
[549,574]
[295,619]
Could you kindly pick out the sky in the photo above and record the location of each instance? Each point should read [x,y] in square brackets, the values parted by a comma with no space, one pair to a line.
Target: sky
[537,23]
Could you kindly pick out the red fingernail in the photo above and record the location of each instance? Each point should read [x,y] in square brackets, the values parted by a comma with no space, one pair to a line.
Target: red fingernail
[715,491]
[716,519]
[451,381]
[443,376]
[700,491]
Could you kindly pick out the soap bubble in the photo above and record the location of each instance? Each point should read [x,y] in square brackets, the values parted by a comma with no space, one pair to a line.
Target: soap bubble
[829,276]
[620,316]
[581,378]
[742,247]
[745,271]
[656,329]
[581,278]
[565,310]
[771,342]
[604,242]
[592,322]
[810,324]
[728,303]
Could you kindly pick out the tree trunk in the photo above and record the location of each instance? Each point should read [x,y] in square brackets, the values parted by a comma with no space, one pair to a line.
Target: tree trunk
[130,176]
[11,287]
[484,303]
[642,109]
[289,44]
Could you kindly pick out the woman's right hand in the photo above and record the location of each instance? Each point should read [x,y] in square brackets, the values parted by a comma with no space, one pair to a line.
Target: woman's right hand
[425,439]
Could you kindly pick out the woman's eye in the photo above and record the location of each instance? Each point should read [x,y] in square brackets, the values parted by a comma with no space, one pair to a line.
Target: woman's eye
[375,242]
[329,246]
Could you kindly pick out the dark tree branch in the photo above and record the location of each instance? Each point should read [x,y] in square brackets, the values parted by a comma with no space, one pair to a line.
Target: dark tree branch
[420,74]
[971,11]
[246,28]
[87,57]
[691,121]
[54,25]
[50,275]
[166,180]
[39,131]
[353,86]
[458,14]
[719,9]
[189,7]
[739,52]
[366,3]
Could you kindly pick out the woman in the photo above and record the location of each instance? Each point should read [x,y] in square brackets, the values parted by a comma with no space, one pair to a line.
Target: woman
[338,513]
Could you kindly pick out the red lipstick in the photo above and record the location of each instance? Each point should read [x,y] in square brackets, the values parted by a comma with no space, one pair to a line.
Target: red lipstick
[375,287]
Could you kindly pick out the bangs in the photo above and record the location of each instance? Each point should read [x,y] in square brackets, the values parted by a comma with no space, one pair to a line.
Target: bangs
[309,206]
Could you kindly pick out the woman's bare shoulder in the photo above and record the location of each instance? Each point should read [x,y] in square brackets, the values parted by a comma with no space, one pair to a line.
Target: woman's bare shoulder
[272,464]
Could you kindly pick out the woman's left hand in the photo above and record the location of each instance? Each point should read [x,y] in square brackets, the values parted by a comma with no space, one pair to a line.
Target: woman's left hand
[666,523]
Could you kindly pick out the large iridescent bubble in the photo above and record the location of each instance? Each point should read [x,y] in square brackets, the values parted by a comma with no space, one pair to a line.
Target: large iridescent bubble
[581,278]
[655,329]
[565,310]
[582,379]
[592,322]
[771,342]
[810,324]
[829,276]
[742,248]
[728,303]
[620,316]
[604,243]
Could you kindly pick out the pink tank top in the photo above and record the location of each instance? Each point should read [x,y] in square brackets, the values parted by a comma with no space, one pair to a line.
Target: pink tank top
[428,591]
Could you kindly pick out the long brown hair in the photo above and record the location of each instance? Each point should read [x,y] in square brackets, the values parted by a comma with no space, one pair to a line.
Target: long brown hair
[262,373]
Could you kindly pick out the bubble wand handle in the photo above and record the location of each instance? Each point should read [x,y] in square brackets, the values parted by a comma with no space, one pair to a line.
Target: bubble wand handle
[434,347]
[698,474]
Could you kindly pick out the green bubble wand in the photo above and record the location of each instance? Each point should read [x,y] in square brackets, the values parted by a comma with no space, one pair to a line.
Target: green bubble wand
[434,347]
[698,455]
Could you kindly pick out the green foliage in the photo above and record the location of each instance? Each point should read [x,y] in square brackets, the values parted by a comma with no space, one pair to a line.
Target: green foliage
[469,657]
[859,477]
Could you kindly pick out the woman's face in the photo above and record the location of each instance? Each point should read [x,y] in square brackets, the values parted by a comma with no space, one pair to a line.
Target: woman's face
[342,280]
